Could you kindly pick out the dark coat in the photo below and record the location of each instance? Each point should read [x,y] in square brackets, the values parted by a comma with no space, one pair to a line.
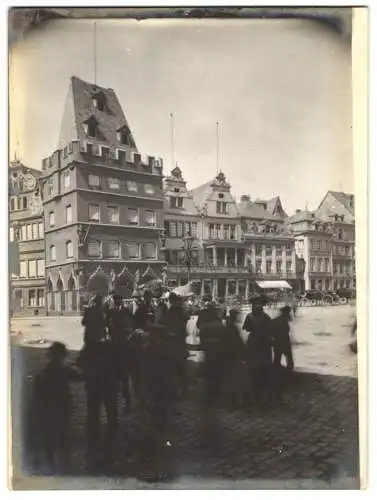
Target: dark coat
[259,342]
[144,316]
[94,321]
[280,333]
[120,322]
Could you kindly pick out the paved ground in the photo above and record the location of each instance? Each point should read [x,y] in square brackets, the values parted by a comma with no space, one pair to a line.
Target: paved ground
[312,437]
[320,336]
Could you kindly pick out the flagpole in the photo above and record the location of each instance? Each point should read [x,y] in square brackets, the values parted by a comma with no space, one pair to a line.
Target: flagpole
[172,138]
[217,147]
[95,52]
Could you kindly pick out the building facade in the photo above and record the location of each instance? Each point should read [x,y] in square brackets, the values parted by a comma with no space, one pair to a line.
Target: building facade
[325,239]
[102,201]
[26,237]
[233,245]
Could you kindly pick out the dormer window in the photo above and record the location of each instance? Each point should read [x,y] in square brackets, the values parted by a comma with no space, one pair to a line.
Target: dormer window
[99,101]
[221,196]
[91,127]
[176,190]
[123,135]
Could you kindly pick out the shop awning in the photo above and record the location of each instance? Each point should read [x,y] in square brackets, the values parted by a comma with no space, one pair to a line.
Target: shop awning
[274,284]
[182,291]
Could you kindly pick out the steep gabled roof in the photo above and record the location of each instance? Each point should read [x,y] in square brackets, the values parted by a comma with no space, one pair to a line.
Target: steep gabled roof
[79,108]
[254,210]
[274,204]
[201,192]
[345,199]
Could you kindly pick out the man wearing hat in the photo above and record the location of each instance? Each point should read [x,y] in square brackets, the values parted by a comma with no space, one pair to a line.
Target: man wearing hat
[259,348]
[281,339]
[120,324]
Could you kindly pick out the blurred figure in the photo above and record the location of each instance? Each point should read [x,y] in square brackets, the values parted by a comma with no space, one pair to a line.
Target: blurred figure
[176,320]
[144,314]
[160,310]
[281,340]
[236,370]
[94,321]
[120,324]
[96,361]
[353,344]
[212,334]
[52,407]
[259,348]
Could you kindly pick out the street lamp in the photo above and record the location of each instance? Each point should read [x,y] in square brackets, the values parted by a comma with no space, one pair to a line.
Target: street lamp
[188,248]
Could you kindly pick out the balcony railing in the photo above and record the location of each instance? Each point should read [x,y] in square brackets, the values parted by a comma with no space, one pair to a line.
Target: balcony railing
[200,268]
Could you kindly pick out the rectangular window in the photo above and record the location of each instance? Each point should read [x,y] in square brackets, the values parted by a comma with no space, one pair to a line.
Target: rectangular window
[258,249]
[212,231]
[50,187]
[312,264]
[278,251]
[11,234]
[94,213]
[149,188]
[226,232]
[133,216]
[258,266]
[278,266]
[217,231]
[68,214]
[32,298]
[176,202]
[268,266]
[132,250]
[173,228]
[180,229]
[132,186]
[94,181]
[29,232]
[94,248]
[327,265]
[149,251]
[187,229]
[40,267]
[268,250]
[289,266]
[114,249]
[23,269]
[114,183]
[52,253]
[35,231]
[67,179]
[232,232]
[40,298]
[150,218]
[113,215]
[32,268]
[194,229]
[51,219]
[41,230]
[315,244]
[221,207]
[23,233]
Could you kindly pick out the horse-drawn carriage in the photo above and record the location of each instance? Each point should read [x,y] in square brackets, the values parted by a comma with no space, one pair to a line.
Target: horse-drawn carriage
[328,297]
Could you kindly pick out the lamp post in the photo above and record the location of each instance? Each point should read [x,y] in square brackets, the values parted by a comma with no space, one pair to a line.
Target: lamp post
[188,248]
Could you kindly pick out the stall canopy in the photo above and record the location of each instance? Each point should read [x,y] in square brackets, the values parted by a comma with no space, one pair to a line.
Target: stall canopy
[183,291]
[274,284]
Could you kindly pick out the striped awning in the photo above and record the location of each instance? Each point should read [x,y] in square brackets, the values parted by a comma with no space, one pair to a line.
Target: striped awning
[274,284]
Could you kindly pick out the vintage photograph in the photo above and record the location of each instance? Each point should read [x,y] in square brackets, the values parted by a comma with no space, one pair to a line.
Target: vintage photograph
[182,256]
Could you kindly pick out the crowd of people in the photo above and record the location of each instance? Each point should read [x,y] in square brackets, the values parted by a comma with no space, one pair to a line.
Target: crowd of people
[139,357]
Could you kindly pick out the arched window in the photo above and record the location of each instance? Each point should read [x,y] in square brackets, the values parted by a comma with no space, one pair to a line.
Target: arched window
[59,285]
[69,249]
[71,284]
[49,285]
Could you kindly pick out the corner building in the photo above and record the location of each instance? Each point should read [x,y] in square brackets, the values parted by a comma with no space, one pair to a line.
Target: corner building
[103,203]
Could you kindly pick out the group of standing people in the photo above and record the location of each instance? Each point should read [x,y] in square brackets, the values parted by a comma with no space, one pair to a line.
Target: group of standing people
[140,355]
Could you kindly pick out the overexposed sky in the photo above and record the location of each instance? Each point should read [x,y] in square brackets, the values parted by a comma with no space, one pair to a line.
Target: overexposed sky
[280,89]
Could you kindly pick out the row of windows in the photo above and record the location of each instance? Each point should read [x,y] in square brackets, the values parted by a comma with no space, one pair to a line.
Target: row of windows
[145,251]
[320,245]
[222,232]
[113,216]
[269,268]
[340,268]
[325,284]
[27,232]
[269,249]
[32,268]
[343,250]
[35,298]
[178,229]
[113,183]
[18,203]
[320,265]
